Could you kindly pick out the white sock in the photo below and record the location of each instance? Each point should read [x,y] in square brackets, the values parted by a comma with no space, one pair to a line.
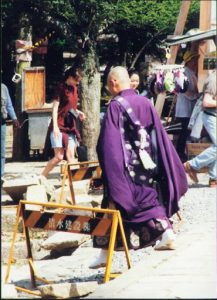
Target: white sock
[101,259]
[168,237]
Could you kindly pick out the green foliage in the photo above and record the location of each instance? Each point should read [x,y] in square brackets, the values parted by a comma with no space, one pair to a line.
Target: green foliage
[80,22]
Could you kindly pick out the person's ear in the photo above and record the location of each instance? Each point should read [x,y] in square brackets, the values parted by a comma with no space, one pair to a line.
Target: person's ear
[114,83]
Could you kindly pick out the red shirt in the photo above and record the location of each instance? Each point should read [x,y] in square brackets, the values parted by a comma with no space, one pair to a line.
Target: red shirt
[68,98]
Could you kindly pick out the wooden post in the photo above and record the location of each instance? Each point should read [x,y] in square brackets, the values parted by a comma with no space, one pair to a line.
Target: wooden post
[20,136]
[183,13]
[111,247]
[160,103]
[123,237]
[13,243]
[205,24]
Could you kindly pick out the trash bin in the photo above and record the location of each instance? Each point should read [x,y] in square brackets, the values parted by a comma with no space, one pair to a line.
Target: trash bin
[39,120]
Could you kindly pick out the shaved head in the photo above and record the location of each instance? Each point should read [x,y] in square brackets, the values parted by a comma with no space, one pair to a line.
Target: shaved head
[119,73]
[118,80]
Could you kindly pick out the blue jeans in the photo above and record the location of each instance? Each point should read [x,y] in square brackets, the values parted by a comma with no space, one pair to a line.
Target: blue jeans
[208,158]
[57,142]
[3,137]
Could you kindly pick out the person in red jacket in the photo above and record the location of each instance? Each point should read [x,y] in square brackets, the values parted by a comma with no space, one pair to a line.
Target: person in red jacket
[63,131]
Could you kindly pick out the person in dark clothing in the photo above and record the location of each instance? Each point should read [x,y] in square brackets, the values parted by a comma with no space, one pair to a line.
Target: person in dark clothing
[186,102]
[128,189]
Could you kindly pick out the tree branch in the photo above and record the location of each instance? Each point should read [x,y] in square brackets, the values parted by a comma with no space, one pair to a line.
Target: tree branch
[143,48]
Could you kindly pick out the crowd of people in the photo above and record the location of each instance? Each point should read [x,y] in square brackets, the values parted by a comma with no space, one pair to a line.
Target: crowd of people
[132,158]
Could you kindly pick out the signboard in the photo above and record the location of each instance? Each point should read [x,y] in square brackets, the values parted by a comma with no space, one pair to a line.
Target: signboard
[33,88]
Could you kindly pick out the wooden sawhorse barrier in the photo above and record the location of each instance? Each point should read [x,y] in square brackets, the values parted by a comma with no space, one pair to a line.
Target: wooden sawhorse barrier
[77,172]
[57,220]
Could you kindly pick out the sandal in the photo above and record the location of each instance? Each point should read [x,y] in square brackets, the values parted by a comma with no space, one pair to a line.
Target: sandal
[190,171]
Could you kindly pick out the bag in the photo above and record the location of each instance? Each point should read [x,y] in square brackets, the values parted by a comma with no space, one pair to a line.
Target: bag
[81,153]
[195,124]
[70,117]
[198,108]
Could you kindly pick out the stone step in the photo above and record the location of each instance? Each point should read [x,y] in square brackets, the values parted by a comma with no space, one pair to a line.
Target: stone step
[68,290]
[19,254]
[8,219]
[8,216]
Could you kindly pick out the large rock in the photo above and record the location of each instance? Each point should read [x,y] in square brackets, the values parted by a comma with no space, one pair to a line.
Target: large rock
[63,240]
[96,200]
[68,290]
[50,189]
[38,252]
[81,189]
[80,212]
[36,193]
[16,185]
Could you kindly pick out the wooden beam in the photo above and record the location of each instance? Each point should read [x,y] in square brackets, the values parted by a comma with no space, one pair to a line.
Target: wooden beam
[20,136]
[160,103]
[183,13]
[205,24]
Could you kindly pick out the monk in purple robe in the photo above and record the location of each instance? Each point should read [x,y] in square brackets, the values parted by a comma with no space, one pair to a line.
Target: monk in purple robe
[130,190]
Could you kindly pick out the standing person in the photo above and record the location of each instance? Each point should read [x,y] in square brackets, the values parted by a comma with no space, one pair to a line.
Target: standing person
[208,158]
[134,80]
[63,131]
[6,109]
[131,191]
[186,101]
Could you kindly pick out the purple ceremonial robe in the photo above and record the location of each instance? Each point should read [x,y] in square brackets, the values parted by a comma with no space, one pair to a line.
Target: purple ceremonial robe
[139,203]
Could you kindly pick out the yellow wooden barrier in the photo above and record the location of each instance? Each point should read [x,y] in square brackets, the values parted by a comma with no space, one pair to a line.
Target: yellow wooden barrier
[57,220]
[77,172]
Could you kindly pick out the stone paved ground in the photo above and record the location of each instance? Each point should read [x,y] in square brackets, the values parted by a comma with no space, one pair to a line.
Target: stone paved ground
[188,272]
[198,209]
